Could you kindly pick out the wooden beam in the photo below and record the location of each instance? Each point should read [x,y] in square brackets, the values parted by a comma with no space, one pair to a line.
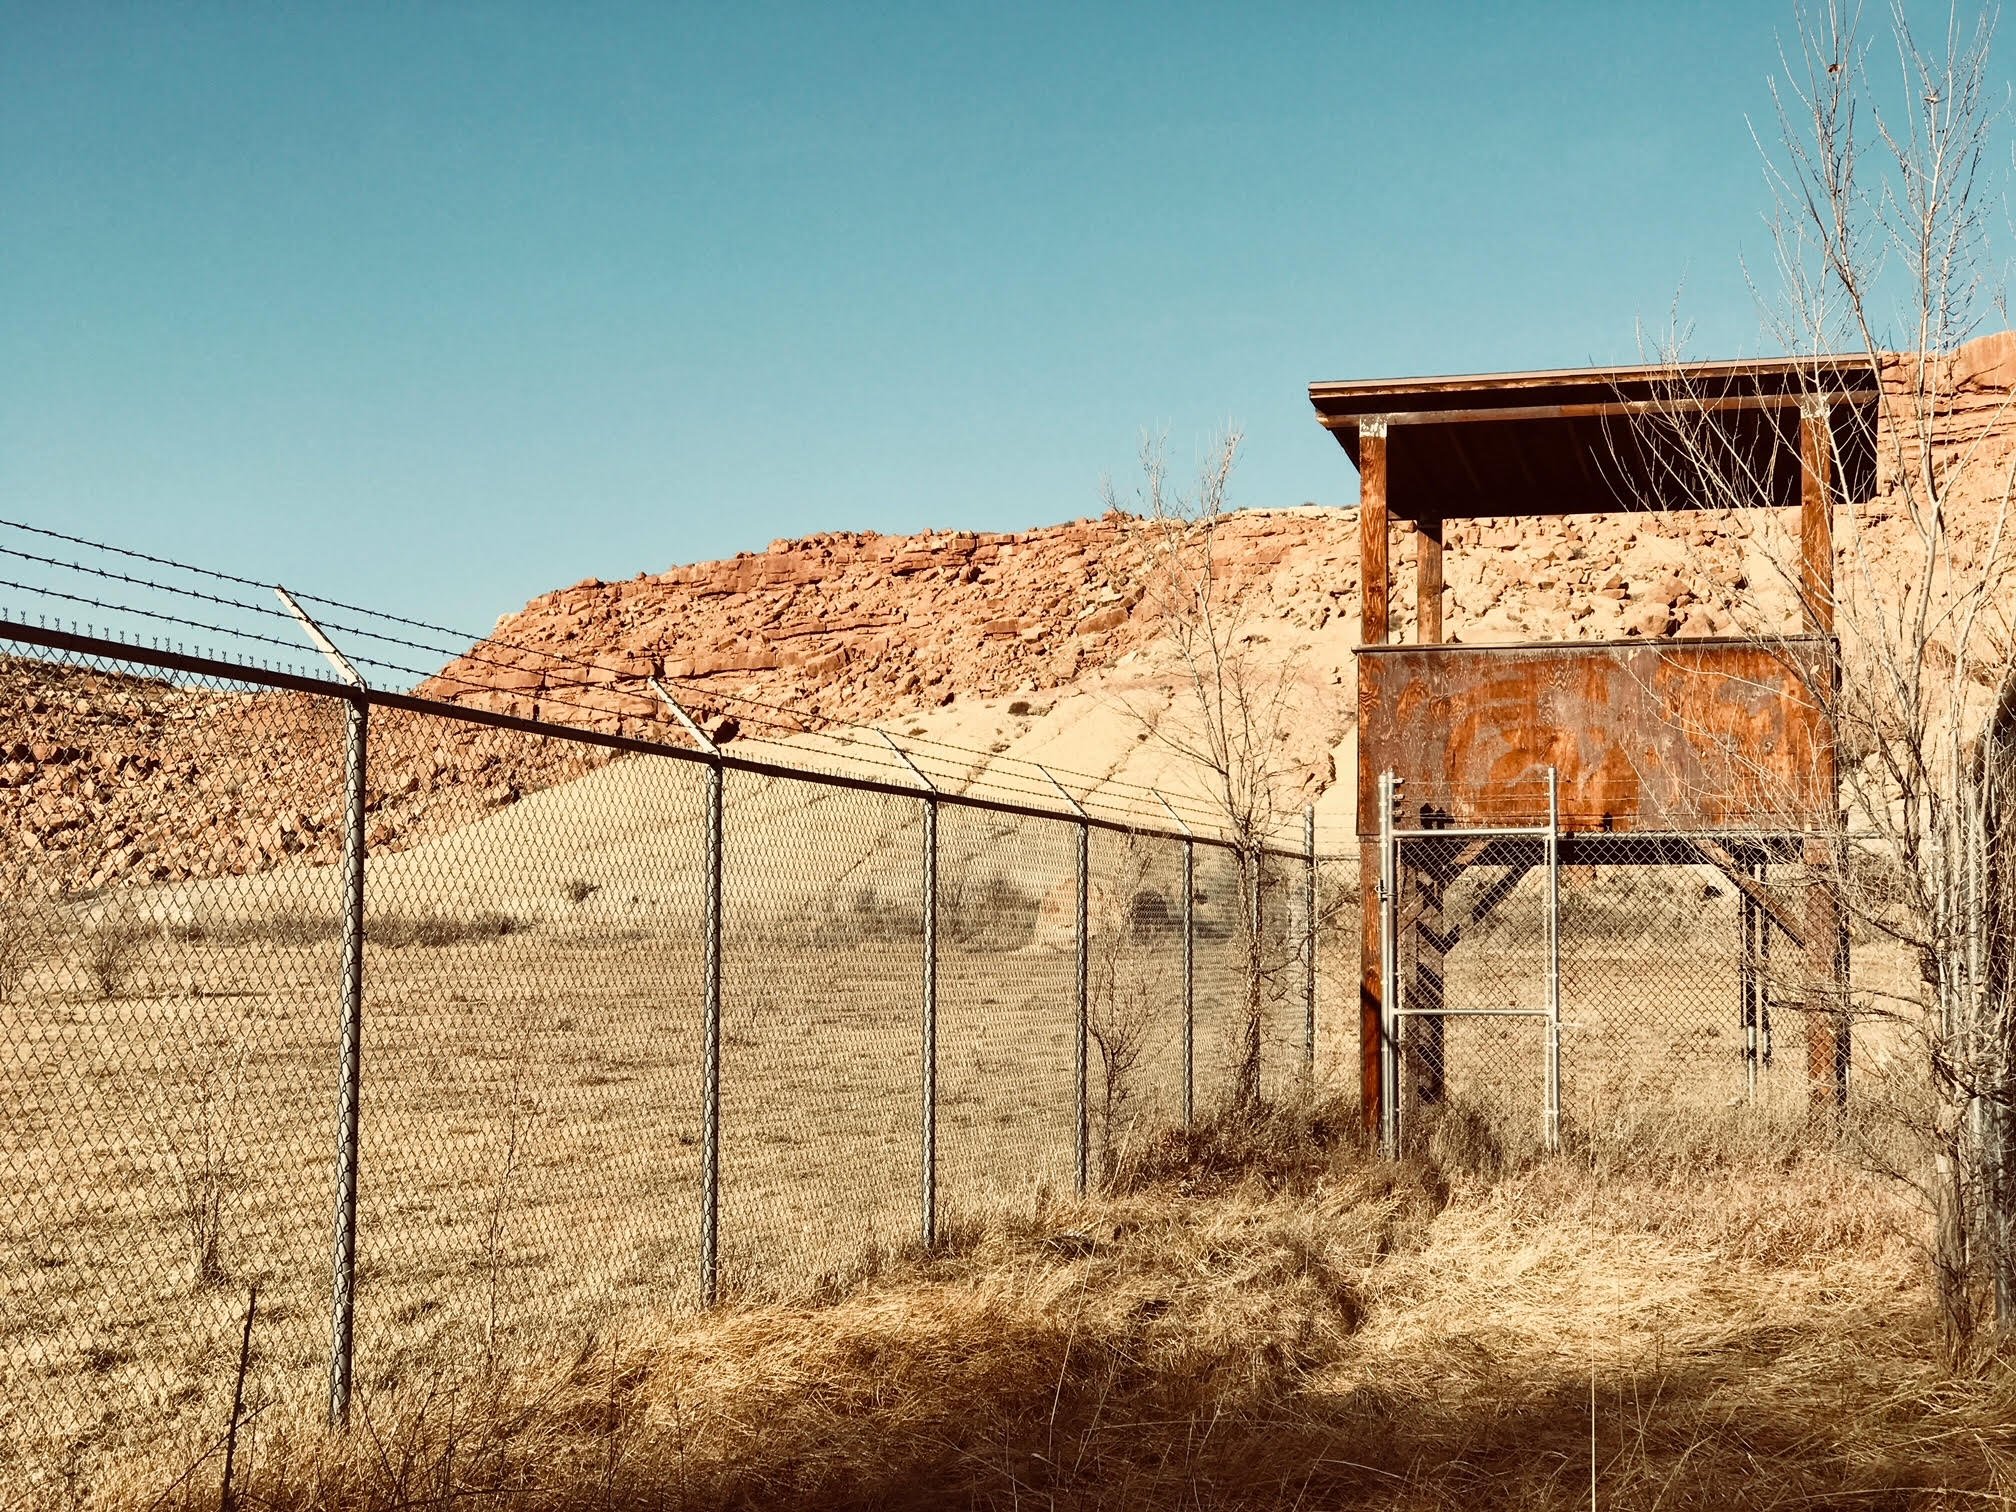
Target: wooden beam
[1615,409]
[1816,518]
[1498,892]
[1464,858]
[1373,575]
[1428,582]
[1775,908]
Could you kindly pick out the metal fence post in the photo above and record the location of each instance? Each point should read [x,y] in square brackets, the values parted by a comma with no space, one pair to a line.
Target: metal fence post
[1309,944]
[1189,981]
[343,1291]
[710,1065]
[1551,1116]
[350,1045]
[1256,968]
[1189,963]
[1389,976]
[710,1012]
[929,1112]
[1084,1003]
[927,1122]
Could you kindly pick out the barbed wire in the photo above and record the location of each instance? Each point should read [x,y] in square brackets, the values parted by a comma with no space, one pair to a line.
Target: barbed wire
[795,722]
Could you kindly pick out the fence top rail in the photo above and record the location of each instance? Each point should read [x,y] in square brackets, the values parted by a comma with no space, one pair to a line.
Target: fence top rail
[43,636]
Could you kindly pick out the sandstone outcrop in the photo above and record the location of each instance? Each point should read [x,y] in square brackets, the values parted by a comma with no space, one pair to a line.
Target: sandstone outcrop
[110,777]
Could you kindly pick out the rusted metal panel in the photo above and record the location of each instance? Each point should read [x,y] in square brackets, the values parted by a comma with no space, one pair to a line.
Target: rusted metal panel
[1647,736]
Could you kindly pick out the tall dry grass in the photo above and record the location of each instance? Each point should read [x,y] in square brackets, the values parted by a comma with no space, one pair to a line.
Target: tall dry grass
[1258,1315]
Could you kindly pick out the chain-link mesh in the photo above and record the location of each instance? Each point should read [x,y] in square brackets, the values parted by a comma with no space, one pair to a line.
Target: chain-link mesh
[1007,994]
[167,1055]
[1339,934]
[1222,911]
[531,1047]
[1134,988]
[1472,958]
[1282,920]
[533,982]
[1679,979]
[821,1064]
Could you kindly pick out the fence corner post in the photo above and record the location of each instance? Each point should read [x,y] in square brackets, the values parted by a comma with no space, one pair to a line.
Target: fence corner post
[1189,981]
[350,1046]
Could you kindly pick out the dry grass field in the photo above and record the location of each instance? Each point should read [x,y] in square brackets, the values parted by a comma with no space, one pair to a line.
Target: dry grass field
[531,1113]
[1256,1316]
[530,1194]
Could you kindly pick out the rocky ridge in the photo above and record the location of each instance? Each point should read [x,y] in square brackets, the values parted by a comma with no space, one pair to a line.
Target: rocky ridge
[109,777]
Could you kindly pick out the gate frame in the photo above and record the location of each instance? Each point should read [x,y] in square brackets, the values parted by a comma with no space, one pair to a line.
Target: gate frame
[1394,1011]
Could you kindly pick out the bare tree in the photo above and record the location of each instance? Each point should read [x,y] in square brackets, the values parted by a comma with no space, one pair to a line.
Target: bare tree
[1128,982]
[1883,243]
[1228,714]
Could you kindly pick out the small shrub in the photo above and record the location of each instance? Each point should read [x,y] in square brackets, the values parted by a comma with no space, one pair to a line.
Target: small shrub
[294,927]
[1282,1148]
[203,1190]
[433,931]
[109,952]
[16,951]
[996,915]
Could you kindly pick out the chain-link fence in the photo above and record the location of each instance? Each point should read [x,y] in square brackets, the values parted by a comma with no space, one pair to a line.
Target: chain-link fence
[437,1038]
[1472,994]
[1551,987]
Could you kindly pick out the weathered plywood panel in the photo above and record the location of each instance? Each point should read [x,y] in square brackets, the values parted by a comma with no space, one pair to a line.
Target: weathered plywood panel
[1645,735]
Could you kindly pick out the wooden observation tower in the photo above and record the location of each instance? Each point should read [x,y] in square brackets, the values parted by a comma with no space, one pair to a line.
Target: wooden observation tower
[1633,752]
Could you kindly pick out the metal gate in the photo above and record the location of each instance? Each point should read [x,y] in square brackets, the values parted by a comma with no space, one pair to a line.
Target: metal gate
[1470,943]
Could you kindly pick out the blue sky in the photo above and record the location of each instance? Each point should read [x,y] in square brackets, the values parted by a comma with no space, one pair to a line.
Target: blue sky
[440,306]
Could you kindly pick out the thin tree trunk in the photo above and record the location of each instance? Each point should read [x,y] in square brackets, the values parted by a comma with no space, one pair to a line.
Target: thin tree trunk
[1950,1261]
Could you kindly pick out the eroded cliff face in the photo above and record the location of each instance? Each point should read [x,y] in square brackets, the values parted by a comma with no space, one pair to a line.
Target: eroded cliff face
[852,626]
[1046,643]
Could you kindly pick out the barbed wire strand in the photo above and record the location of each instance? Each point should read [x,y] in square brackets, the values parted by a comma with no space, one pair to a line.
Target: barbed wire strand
[793,720]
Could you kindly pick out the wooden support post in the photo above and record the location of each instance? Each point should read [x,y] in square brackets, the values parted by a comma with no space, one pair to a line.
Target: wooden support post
[1428,582]
[1816,518]
[1372,631]
[1746,980]
[1423,885]
[1826,944]
[1371,990]
[1373,572]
